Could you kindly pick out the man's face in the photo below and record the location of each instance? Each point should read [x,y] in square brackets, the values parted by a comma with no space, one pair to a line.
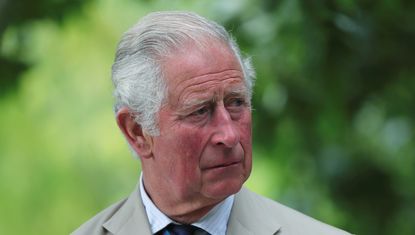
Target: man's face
[204,147]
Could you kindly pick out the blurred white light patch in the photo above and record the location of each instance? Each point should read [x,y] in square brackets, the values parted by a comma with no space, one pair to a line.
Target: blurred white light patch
[260,29]
[347,24]
[396,133]
[369,120]
[389,133]
[225,10]
[274,98]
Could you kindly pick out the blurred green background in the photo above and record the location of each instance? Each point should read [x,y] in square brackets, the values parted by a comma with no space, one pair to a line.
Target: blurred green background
[333,120]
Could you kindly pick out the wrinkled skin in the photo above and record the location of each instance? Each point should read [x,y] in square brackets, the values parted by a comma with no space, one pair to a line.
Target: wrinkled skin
[204,152]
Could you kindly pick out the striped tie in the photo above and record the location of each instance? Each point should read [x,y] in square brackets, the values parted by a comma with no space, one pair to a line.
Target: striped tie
[178,229]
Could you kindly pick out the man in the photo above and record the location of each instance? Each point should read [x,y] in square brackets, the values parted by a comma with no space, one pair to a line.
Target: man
[183,102]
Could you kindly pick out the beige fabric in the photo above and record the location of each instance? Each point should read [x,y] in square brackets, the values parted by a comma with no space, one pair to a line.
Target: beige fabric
[251,214]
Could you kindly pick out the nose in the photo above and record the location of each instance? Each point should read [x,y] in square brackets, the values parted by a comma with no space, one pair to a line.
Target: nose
[225,129]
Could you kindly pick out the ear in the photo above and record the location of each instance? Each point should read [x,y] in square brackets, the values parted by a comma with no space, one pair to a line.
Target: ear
[136,137]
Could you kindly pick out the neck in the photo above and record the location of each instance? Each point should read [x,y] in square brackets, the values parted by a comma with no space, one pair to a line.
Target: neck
[184,211]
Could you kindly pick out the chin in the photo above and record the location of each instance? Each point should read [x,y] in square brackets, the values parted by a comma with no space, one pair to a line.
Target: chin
[221,190]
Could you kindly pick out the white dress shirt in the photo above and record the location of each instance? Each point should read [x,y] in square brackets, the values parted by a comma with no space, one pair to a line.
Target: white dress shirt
[214,222]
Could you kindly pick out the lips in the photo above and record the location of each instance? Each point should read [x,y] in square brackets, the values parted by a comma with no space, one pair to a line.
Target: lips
[222,165]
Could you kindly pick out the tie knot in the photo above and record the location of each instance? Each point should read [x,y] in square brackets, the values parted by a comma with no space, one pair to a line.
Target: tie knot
[179,229]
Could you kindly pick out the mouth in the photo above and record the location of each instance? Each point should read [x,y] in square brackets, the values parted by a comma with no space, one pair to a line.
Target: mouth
[224,165]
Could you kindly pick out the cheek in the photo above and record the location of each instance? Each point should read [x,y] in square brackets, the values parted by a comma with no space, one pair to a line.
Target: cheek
[183,149]
[189,143]
[246,138]
[246,128]
[187,152]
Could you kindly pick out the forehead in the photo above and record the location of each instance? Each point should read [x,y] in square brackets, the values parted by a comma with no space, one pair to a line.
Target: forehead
[198,70]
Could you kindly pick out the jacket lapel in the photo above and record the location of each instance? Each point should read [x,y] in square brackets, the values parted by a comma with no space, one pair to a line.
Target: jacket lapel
[130,219]
[248,216]
[235,227]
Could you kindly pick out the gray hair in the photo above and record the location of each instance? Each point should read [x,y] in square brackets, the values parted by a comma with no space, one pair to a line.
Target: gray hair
[136,72]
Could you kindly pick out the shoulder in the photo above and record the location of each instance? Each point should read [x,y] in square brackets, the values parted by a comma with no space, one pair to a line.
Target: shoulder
[289,220]
[94,225]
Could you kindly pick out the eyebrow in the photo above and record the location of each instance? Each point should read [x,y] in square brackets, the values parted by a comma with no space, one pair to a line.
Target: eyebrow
[186,106]
[231,92]
[241,92]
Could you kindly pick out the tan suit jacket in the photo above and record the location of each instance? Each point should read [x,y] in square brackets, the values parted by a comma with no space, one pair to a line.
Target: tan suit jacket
[251,214]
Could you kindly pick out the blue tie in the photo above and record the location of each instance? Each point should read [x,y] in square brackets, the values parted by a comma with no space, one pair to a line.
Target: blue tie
[178,229]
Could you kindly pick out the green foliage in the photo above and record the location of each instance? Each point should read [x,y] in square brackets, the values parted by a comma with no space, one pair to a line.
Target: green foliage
[17,14]
[333,123]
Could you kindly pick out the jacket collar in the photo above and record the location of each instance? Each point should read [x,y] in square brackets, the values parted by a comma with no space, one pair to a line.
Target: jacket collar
[131,217]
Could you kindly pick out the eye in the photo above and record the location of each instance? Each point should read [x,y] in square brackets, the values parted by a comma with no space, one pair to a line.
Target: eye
[236,102]
[200,112]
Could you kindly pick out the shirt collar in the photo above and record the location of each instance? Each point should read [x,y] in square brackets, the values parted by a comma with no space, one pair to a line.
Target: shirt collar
[214,222]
